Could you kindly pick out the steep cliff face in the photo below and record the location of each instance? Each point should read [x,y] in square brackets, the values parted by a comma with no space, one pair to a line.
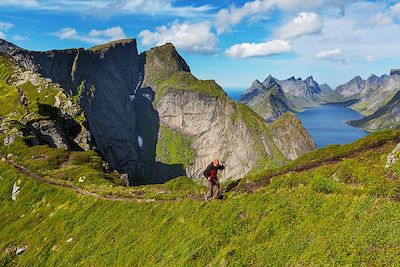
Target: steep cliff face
[100,80]
[214,125]
[147,114]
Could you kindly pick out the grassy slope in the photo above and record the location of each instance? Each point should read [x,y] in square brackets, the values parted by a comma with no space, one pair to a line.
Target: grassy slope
[174,148]
[341,213]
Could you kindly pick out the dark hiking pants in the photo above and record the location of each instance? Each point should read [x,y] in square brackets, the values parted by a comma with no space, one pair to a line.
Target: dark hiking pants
[213,189]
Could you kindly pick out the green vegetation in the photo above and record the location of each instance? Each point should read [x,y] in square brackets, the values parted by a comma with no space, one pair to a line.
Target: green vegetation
[174,148]
[185,81]
[160,63]
[341,213]
[108,45]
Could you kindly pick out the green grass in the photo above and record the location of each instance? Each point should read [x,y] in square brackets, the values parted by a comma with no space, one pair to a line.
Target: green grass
[185,81]
[341,214]
[110,44]
[174,148]
[330,153]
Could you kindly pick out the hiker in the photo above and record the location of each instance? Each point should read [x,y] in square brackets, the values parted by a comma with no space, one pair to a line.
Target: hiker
[213,188]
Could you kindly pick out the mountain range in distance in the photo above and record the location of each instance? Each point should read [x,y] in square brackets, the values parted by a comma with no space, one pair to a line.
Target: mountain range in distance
[376,98]
[272,97]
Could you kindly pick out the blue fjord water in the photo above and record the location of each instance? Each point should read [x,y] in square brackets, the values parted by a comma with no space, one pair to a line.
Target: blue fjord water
[326,123]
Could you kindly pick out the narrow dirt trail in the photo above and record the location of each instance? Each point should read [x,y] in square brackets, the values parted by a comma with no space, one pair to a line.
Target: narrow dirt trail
[249,187]
[76,189]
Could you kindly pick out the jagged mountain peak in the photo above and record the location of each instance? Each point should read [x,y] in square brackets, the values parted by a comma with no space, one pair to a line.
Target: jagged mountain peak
[269,81]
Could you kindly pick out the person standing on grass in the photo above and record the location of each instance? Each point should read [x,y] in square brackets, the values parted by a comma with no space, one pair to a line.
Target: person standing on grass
[213,188]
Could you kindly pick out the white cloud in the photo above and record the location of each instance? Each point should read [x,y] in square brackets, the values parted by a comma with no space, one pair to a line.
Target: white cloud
[114,33]
[154,7]
[94,36]
[20,3]
[387,17]
[191,38]
[246,50]
[304,23]
[113,7]
[329,54]
[5,26]
[18,37]
[226,18]
[2,35]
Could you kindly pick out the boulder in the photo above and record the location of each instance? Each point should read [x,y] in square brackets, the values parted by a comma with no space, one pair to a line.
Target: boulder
[15,191]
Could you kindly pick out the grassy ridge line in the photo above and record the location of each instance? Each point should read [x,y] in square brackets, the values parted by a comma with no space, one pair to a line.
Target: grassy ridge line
[304,164]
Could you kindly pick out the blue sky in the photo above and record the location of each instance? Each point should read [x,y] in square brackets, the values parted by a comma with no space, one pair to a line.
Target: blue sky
[233,42]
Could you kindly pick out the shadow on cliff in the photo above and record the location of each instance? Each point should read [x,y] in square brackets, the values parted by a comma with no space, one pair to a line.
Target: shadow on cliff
[149,127]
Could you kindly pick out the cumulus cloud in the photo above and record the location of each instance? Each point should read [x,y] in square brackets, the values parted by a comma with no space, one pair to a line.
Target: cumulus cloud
[191,38]
[114,33]
[94,36]
[2,35]
[246,50]
[334,54]
[226,18]
[304,23]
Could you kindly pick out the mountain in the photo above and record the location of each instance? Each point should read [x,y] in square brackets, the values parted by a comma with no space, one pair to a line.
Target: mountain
[266,99]
[273,97]
[145,114]
[376,98]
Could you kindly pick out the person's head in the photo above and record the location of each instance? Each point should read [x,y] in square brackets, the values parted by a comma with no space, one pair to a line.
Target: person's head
[215,162]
